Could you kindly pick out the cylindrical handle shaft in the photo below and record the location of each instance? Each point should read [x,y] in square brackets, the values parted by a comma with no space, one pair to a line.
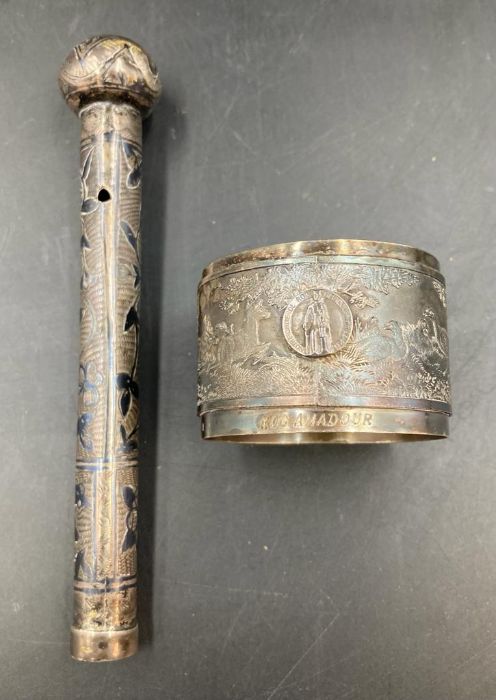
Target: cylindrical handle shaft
[115,86]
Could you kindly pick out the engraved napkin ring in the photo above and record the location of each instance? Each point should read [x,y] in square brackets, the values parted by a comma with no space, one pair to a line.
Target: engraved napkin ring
[341,341]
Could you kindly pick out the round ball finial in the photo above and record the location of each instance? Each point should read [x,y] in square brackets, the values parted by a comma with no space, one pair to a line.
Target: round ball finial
[109,68]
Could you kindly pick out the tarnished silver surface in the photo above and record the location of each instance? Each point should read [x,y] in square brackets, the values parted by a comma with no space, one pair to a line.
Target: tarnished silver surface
[111,83]
[334,341]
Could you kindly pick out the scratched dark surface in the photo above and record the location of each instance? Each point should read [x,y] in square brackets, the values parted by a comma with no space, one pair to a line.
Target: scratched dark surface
[266,573]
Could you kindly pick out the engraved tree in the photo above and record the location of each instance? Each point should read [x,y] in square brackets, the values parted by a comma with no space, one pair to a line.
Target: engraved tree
[245,294]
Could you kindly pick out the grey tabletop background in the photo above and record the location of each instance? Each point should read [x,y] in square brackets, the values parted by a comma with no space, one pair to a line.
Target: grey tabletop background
[309,573]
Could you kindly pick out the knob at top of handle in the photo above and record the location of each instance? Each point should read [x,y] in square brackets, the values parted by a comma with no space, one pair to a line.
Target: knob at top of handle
[109,68]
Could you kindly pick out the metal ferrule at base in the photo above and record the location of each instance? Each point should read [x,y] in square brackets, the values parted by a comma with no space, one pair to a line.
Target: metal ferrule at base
[88,645]
[341,341]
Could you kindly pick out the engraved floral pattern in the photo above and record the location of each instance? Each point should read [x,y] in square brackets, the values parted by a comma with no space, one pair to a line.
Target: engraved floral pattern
[108,423]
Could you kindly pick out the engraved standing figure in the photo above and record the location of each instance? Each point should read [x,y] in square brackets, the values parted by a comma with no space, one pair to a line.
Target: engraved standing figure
[317,327]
